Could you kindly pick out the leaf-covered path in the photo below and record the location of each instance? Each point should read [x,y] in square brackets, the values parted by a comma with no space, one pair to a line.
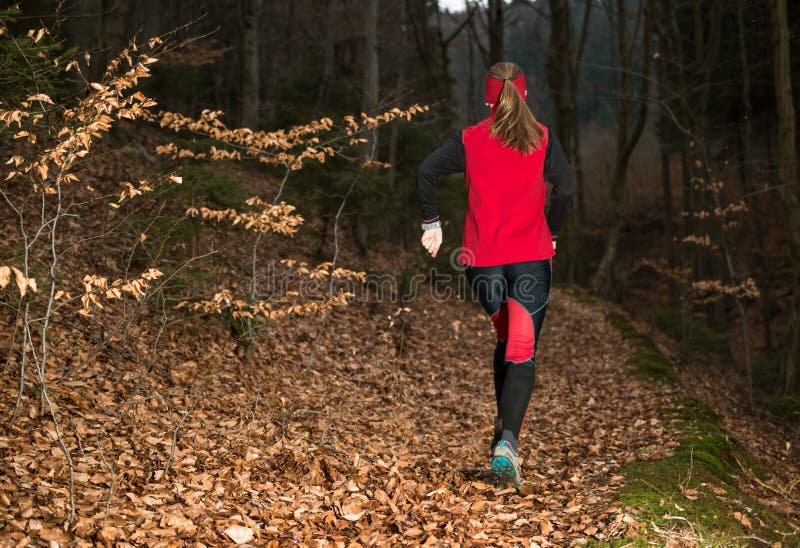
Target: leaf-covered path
[428,435]
[385,440]
[421,425]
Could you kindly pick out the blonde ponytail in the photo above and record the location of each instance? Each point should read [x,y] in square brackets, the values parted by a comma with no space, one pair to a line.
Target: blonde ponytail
[514,124]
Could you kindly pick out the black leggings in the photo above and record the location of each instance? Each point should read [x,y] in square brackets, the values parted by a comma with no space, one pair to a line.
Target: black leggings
[515,296]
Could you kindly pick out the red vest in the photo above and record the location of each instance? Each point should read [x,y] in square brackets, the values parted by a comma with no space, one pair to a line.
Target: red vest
[506,192]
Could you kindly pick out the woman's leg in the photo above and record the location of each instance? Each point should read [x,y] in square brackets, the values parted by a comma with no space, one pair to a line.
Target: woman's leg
[499,362]
[528,293]
[500,368]
[489,285]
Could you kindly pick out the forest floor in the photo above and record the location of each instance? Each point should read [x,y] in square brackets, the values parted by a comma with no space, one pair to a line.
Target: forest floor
[384,441]
[176,439]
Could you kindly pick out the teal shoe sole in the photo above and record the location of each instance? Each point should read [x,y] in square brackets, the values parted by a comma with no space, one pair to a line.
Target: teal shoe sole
[504,471]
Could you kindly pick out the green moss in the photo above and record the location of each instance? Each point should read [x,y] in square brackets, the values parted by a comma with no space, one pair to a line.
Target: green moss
[648,361]
[690,408]
[694,489]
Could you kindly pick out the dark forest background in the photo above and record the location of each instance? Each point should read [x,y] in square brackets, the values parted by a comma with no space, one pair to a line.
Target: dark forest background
[677,117]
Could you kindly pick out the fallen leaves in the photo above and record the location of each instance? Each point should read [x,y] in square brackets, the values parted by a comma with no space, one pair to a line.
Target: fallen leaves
[743,519]
[351,511]
[691,494]
[239,534]
[367,448]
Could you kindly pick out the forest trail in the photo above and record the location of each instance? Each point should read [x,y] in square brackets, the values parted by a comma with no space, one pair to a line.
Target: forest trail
[369,446]
[157,191]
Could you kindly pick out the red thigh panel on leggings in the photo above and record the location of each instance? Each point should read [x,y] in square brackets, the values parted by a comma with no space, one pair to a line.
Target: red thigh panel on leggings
[520,333]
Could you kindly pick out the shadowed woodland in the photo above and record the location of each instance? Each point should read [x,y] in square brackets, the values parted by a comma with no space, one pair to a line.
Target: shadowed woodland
[218,324]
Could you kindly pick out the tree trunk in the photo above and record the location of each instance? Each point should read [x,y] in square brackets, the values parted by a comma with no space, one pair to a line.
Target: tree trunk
[745,174]
[472,112]
[369,103]
[116,17]
[494,15]
[563,74]
[787,174]
[330,55]
[707,46]
[674,41]
[250,83]
[84,25]
[666,173]
[394,132]
[369,99]
[559,55]
[625,143]
[563,69]
[418,17]
[669,226]
[574,82]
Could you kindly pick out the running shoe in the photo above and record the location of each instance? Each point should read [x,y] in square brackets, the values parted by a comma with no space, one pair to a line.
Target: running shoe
[505,465]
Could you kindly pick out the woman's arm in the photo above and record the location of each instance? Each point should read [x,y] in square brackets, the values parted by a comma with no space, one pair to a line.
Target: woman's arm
[447,159]
[557,173]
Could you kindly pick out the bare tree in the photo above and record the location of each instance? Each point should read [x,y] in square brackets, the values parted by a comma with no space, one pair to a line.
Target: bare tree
[369,102]
[433,46]
[665,74]
[745,175]
[564,62]
[250,82]
[496,27]
[787,173]
[627,139]
[330,54]
[369,99]
[394,132]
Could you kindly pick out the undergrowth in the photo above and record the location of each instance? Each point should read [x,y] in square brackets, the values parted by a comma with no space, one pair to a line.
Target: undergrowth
[693,496]
[692,334]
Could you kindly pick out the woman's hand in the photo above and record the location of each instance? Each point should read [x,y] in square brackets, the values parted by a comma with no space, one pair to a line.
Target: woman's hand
[432,240]
[554,245]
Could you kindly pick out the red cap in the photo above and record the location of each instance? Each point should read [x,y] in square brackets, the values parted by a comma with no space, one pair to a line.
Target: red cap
[495,85]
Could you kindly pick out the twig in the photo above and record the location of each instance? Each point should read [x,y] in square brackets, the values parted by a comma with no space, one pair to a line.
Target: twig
[101,345]
[23,361]
[110,469]
[59,438]
[283,183]
[13,340]
[691,465]
[325,314]
[782,492]
[250,329]
[175,438]
[252,419]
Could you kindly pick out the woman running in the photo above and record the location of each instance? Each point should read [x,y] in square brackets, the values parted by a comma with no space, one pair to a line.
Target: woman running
[507,244]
